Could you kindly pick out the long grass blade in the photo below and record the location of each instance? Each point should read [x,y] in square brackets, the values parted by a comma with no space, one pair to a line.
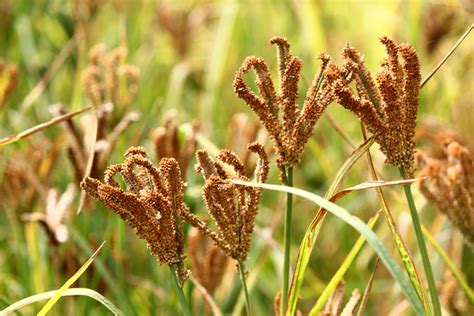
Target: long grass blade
[120,294]
[312,232]
[362,228]
[422,247]
[40,127]
[331,286]
[69,292]
[450,265]
[451,51]
[402,249]
[46,308]
[365,296]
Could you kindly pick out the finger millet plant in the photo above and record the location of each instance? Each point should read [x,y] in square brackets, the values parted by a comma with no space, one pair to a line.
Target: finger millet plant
[231,241]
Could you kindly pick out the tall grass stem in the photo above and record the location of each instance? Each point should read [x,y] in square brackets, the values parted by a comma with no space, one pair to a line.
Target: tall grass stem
[244,286]
[179,291]
[287,242]
[422,245]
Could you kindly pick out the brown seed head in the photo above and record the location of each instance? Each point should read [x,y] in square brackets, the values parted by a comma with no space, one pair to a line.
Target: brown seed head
[448,183]
[387,108]
[101,78]
[243,129]
[152,202]
[8,81]
[232,207]
[167,144]
[208,262]
[288,127]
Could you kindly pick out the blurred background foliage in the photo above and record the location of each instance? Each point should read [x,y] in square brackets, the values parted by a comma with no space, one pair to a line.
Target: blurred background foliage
[187,53]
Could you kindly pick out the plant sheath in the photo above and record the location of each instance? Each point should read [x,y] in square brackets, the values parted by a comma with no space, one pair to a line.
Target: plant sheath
[422,246]
[244,286]
[179,291]
[286,242]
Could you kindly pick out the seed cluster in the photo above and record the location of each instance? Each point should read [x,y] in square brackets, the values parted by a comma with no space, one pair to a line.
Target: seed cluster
[448,183]
[242,130]
[208,262]
[388,108]
[167,144]
[102,77]
[288,127]
[232,207]
[102,83]
[8,81]
[152,202]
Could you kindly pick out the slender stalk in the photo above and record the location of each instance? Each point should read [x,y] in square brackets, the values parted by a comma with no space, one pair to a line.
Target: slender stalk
[441,63]
[231,299]
[244,286]
[179,291]
[422,245]
[286,243]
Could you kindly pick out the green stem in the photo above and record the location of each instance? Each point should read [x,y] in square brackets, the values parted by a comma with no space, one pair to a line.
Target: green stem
[286,243]
[244,286]
[422,246]
[232,297]
[179,291]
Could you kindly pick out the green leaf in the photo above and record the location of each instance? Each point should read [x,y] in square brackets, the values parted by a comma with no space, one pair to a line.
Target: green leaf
[450,265]
[68,283]
[358,225]
[403,252]
[337,277]
[40,127]
[312,232]
[69,292]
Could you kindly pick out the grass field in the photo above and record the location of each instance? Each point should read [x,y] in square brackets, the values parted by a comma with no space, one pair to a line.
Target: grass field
[162,60]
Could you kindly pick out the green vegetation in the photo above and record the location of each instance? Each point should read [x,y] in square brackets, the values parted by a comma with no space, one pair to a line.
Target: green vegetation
[170,76]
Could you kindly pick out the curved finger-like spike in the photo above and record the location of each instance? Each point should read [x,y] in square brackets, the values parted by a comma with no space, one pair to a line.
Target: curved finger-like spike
[132,181]
[136,151]
[392,99]
[147,171]
[205,164]
[231,159]
[110,173]
[173,183]
[364,83]
[220,198]
[112,197]
[320,76]
[262,166]
[265,106]
[289,93]
[283,54]
[394,66]
[411,91]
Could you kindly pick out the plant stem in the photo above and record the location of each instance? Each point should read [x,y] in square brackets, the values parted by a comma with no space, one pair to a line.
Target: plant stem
[422,245]
[231,299]
[286,243]
[179,291]
[244,286]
